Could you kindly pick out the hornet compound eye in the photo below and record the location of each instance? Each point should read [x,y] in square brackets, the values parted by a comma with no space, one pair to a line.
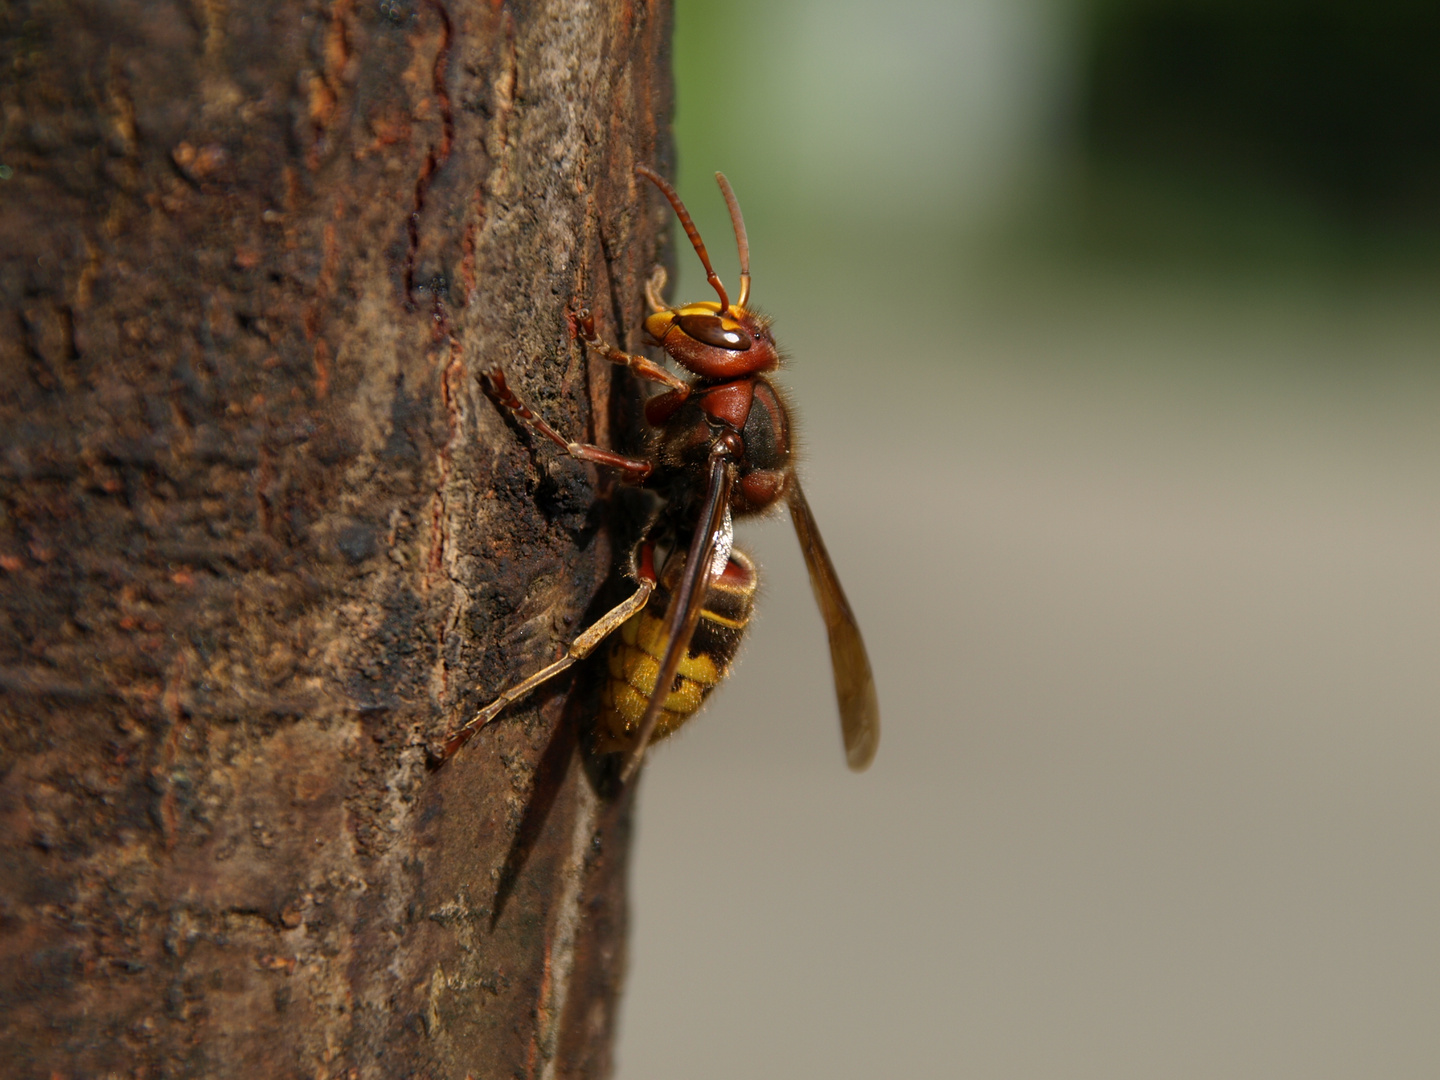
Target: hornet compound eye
[711,330]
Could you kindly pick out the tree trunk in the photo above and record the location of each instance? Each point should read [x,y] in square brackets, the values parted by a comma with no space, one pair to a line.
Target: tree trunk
[265,539]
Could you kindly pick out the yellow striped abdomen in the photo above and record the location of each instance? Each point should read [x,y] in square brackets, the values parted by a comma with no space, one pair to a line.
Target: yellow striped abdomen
[636,651]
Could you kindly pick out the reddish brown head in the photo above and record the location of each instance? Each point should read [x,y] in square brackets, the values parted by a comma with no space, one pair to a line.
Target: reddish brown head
[714,340]
[712,343]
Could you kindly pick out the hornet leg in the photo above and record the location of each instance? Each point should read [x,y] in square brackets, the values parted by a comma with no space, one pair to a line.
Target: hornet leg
[646,369]
[580,648]
[637,469]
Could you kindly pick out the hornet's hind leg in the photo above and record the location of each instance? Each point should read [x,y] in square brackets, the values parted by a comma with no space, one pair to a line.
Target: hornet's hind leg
[580,648]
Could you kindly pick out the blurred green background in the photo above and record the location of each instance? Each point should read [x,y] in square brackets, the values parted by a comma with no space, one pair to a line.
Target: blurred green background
[1113,330]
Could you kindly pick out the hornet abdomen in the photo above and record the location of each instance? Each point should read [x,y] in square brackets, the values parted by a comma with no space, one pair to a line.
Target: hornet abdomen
[636,652]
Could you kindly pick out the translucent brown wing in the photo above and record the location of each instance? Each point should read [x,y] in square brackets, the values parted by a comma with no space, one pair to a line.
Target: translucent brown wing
[686,602]
[854,684]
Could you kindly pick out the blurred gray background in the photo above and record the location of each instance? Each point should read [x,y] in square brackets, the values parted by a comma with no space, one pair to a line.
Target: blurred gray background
[1114,332]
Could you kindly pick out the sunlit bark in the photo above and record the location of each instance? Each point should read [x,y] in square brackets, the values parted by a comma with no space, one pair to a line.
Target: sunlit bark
[264,538]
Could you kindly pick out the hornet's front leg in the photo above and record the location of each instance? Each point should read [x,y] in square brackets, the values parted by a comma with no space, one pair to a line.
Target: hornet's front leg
[646,369]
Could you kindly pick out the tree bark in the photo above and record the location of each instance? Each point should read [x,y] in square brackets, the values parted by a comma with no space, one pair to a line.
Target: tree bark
[265,539]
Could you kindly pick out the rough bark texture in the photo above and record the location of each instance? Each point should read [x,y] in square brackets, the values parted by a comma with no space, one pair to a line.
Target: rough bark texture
[265,539]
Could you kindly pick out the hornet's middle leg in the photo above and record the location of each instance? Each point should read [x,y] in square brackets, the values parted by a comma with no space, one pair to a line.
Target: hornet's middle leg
[636,469]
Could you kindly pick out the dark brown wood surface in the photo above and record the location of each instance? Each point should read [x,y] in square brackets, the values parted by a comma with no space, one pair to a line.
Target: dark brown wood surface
[263,538]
